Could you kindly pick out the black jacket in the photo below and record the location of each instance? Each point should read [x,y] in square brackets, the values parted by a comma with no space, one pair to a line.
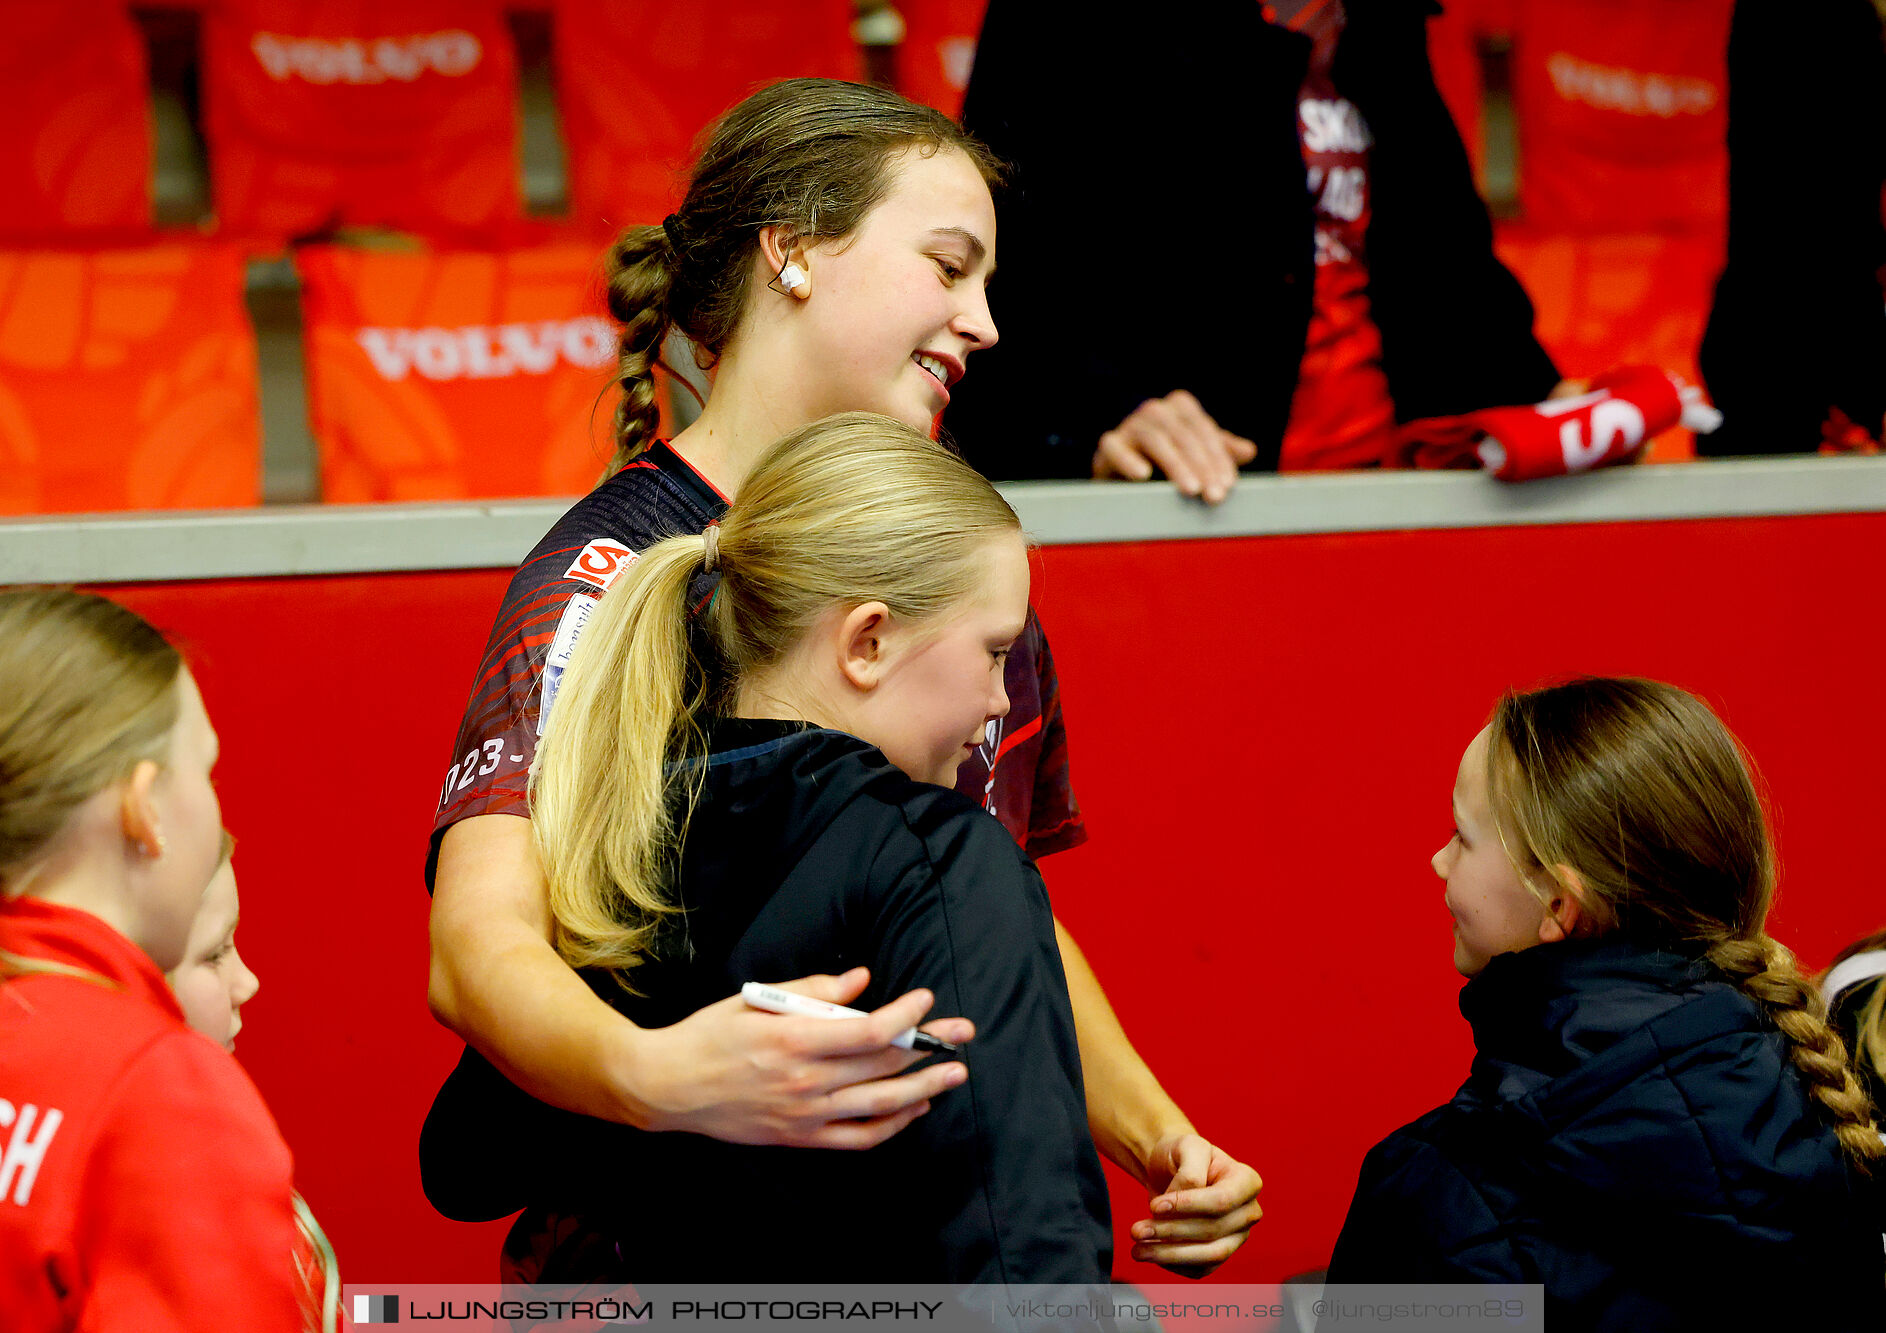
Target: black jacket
[1632,1136]
[808,852]
[1158,231]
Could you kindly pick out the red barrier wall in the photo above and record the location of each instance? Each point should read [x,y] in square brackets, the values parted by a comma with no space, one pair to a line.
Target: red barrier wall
[1264,735]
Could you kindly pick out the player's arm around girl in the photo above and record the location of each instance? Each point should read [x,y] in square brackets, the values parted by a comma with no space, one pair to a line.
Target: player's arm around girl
[832,254]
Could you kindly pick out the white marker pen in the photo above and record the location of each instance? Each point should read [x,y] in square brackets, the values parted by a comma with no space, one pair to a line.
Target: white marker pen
[776,1001]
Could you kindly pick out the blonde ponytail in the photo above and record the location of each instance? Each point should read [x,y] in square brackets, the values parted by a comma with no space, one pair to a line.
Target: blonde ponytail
[624,714]
[851,509]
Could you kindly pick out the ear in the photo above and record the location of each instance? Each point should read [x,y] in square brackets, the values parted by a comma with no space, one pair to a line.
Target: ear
[778,248]
[1565,910]
[137,810]
[861,647]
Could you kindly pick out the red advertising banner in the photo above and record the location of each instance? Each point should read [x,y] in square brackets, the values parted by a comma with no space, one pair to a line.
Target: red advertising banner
[637,83]
[127,380]
[396,113]
[1622,111]
[76,156]
[454,374]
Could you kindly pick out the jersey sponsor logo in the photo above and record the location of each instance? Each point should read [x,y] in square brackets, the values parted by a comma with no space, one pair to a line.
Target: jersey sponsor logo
[489,351]
[453,54]
[602,563]
[26,1149]
[575,616]
[1634,92]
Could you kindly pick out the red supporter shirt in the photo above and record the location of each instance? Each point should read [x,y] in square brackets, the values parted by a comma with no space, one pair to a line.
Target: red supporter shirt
[1341,415]
[1020,775]
[143,1184]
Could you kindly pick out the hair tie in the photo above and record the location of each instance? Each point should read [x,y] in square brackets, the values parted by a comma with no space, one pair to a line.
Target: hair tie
[710,543]
[671,227]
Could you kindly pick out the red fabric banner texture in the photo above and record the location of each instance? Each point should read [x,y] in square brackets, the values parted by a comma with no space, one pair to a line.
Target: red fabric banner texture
[393,113]
[76,157]
[1622,110]
[637,83]
[127,381]
[450,375]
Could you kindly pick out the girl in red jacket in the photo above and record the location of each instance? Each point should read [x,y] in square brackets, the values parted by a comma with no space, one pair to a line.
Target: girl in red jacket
[143,1184]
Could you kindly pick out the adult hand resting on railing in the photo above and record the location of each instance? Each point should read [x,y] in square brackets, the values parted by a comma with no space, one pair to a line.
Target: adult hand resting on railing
[1174,435]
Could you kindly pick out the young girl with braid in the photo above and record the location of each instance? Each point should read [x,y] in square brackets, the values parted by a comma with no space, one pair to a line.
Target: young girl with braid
[1659,1127]
[831,255]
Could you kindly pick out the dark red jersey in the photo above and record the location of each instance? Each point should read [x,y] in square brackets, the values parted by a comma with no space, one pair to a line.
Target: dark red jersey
[1020,774]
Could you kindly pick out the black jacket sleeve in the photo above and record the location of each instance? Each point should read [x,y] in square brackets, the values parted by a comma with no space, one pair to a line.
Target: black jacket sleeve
[483,1150]
[974,925]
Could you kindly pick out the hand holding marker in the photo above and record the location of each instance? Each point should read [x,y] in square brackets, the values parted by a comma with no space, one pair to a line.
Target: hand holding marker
[776,1001]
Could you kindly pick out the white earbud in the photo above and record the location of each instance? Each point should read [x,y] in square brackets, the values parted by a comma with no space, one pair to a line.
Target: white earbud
[792,277]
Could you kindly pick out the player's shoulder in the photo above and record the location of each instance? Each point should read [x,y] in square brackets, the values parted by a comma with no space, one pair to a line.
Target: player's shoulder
[598,538]
[945,830]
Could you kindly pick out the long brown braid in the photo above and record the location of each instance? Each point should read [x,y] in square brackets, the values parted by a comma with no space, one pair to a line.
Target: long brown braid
[1637,799]
[640,269]
[1765,970]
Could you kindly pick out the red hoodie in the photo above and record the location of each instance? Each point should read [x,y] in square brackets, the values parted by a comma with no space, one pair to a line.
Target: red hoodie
[143,1184]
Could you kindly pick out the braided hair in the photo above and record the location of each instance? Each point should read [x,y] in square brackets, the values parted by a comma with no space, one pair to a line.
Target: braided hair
[811,157]
[1640,788]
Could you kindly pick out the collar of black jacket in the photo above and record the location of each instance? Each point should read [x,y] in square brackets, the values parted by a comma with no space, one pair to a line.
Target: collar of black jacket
[727,735]
[1551,1006]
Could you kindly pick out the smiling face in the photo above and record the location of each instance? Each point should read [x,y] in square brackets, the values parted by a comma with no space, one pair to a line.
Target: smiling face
[1493,911]
[212,983]
[893,309]
[941,684]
